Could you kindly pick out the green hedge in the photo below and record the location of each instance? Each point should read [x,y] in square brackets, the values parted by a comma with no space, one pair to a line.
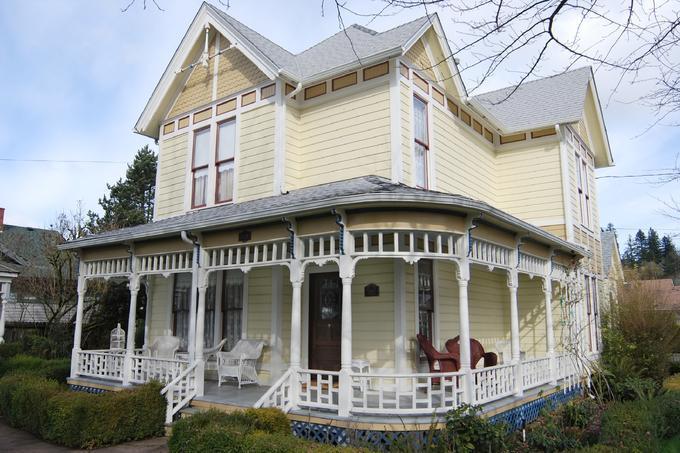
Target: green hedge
[252,430]
[57,369]
[633,426]
[81,420]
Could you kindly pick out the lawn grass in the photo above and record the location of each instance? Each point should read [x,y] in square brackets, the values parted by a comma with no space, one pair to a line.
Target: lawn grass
[672,383]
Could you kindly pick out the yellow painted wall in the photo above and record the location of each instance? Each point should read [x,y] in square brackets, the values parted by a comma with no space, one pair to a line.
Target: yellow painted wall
[529,184]
[292,170]
[531,304]
[405,101]
[197,90]
[463,165]
[373,317]
[345,138]
[255,174]
[172,168]
[260,312]
[419,58]
[236,72]
[161,306]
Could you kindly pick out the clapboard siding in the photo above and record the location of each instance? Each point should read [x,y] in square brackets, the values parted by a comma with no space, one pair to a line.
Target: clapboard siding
[172,170]
[255,173]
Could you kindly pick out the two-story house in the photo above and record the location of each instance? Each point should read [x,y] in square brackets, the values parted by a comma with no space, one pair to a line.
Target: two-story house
[340,202]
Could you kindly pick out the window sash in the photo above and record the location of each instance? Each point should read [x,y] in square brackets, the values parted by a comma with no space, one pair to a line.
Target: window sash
[224,184]
[420,131]
[201,154]
[426,299]
[421,166]
[232,307]
[226,141]
[200,187]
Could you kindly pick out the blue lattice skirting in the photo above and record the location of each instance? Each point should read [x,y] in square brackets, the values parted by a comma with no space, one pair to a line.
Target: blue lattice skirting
[86,389]
[516,418]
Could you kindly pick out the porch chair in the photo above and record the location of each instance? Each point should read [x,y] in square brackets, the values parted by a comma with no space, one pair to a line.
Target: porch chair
[447,361]
[163,347]
[240,363]
[477,352]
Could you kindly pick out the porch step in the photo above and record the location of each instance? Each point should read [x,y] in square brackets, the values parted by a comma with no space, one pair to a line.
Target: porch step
[189,411]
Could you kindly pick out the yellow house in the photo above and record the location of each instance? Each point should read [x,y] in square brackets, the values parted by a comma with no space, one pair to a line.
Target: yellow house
[332,205]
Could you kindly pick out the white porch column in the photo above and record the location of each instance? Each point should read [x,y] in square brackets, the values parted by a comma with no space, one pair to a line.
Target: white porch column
[549,332]
[78,332]
[191,341]
[4,297]
[199,340]
[514,329]
[296,279]
[463,277]
[131,328]
[345,387]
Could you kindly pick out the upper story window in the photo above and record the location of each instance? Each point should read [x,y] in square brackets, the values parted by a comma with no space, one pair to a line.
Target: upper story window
[199,167]
[224,161]
[421,142]
[583,187]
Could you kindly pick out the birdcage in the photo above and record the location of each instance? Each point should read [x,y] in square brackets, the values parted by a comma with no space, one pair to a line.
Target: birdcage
[117,338]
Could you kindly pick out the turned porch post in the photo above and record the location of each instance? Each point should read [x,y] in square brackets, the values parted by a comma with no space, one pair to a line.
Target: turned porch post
[131,327]
[463,278]
[199,340]
[296,279]
[4,296]
[549,332]
[345,388]
[78,331]
[514,330]
[191,341]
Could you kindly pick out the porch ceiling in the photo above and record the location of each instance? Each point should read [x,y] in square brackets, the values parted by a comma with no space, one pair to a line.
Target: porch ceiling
[363,192]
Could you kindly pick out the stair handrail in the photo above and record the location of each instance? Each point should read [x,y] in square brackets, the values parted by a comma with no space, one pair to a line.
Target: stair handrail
[273,389]
[169,388]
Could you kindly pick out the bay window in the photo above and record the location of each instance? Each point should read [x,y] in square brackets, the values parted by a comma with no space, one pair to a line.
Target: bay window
[199,167]
[421,142]
[224,161]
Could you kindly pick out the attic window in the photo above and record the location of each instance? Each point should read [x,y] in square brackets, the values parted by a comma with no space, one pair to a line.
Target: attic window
[315,91]
[376,71]
[268,91]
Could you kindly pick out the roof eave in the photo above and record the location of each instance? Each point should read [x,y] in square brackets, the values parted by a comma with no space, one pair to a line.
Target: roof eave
[267,215]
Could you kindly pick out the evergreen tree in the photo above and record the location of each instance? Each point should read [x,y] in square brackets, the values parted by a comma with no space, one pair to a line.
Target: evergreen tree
[670,260]
[640,248]
[130,200]
[628,257]
[653,247]
[610,227]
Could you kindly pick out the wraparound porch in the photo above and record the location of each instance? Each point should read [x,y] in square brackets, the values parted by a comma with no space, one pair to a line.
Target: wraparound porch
[397,388]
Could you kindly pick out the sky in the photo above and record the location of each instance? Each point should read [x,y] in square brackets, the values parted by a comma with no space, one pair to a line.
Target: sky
[75,75]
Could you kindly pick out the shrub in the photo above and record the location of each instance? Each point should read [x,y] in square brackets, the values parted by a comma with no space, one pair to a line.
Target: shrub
[90,421]
[57,369]
[466,431]
[548,433]
[668,409]
[24,399]
[631,426]
[8,350]
[635,388]
[270,420]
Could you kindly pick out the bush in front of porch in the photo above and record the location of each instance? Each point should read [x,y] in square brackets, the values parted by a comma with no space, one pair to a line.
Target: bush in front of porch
[57,369]
[252,430]
[81,420]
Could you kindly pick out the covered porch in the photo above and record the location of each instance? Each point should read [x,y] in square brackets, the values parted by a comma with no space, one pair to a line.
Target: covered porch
[338,301]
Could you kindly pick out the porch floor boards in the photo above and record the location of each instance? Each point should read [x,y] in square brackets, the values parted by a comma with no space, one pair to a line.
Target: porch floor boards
[230,395]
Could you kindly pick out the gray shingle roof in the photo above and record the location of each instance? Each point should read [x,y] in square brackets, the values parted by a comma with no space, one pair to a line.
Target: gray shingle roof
[539,103]
[362,192]
[334,52]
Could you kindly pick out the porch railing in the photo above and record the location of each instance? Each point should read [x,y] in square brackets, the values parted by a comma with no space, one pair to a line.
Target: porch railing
[145,369]
[103,364]
[180,391]
[279,395]
[408,394]
[492,383]
[535,372]
[318,389]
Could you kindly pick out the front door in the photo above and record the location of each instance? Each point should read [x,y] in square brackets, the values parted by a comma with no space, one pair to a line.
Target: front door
[325,321]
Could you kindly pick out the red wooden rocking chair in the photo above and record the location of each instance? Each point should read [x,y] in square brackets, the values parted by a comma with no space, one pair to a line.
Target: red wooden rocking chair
[447,361]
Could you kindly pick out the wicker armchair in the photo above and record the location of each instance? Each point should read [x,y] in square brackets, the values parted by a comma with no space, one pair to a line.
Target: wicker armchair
[240,363]
[477,352]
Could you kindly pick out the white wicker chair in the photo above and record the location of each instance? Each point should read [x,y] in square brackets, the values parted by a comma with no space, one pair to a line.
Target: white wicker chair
[164,347]
[240,363]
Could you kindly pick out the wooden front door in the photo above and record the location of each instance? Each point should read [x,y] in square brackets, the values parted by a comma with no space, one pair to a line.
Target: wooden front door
[325,321]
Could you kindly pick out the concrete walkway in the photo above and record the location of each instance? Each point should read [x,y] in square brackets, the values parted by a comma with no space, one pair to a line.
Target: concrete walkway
[15,440]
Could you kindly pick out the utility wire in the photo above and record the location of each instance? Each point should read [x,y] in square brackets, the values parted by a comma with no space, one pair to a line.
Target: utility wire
[643,175]
[62,161]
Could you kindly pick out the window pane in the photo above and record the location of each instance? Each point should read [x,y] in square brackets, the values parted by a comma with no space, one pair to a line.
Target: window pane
[200,187]
[232,307]
[201,148]
[226,141]
[209,320]
[578,171]
[225,181]
[425,299]
[421,166]
[180,309]
[420,120]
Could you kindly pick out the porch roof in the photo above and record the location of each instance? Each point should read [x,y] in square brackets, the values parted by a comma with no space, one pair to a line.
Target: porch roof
[362,192]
